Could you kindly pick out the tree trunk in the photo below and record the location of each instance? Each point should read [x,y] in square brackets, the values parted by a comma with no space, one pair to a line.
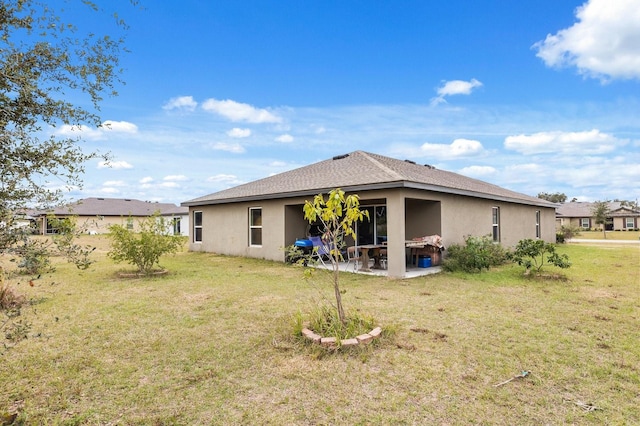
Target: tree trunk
[336,290]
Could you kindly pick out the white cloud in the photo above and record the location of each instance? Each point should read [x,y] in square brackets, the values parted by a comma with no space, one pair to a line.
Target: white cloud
[286,138]
[119,127]
[79,132]
[236,111]
[109,190]
[455,87]
[114,183]
[147,179]
[175,178]
[602,44]
[583,143]
[478,171]
[90,133]
[183,103]
[239,133]
[224,181]
[116,165]
[169,185]
[458,148]
[222,178]
[229,147]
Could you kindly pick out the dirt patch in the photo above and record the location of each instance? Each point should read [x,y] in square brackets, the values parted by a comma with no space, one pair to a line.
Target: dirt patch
[142,275]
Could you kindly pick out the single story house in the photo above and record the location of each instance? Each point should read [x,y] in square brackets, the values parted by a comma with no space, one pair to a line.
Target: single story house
[580,215]
[96,214]
[405,200]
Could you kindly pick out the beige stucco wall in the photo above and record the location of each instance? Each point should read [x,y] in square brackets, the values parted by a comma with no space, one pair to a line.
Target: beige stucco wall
[226,226]
[94,224]
[619,223]
[462,216]
[225,230]
[100,224]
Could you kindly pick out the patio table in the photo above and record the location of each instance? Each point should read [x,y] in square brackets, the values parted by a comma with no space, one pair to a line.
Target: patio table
[375,248]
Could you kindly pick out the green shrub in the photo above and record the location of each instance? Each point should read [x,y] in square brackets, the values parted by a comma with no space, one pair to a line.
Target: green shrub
[295,255]
[567,233]
[65,239]
[534,254]
[143,249]
[476,254]
[34,257]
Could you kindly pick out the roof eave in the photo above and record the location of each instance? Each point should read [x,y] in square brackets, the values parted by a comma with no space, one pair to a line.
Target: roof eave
[369,187]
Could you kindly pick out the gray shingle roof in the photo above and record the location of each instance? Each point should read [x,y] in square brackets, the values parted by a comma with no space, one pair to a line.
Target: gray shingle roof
[359,171]
[117,207]
[585,209]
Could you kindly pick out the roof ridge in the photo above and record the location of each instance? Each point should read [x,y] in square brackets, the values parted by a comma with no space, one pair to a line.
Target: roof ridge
[388,170]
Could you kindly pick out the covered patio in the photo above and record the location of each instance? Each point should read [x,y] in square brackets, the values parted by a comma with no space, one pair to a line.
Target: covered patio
[411,272]
[391,221]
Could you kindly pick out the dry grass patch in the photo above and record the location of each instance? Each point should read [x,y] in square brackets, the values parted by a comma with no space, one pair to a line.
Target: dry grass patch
[211,343]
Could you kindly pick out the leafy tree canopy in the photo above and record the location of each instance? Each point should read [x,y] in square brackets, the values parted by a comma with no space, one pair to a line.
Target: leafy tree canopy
[557,197]
[600,212]
[53,72]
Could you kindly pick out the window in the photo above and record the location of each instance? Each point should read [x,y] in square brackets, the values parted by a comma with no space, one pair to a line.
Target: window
[584,223]
[629,223]
[129,223]
[495,214]
[537,223]
[255,226]
[197,227]
[374,229]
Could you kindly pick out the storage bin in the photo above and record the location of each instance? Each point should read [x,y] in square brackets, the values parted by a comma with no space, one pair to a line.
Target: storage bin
[424,262]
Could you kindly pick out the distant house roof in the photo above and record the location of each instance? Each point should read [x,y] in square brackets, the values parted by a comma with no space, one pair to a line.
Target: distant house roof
[585,209]
[359,171]
[117,207]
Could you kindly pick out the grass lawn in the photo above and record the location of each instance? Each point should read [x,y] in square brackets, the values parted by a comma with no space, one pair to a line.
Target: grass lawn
[611,235]
[211,343]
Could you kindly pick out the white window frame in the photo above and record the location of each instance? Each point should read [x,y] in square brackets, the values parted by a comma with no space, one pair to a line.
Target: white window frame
[538,235]
[197,227]
[585,221]
[495,221]
[255,227]
[629,223]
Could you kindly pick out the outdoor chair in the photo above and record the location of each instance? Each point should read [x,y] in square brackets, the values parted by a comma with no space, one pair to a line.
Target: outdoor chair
[383,258]
[320,249]
[353,255]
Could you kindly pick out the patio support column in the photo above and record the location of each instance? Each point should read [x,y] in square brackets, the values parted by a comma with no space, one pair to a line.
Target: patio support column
[396,262]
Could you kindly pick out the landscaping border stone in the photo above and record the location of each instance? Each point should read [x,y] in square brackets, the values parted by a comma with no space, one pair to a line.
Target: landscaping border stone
[332,342]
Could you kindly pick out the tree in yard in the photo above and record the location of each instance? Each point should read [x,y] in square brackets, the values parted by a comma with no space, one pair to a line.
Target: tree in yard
[633,205]
[534,254]
[556,197]
[53,76]
[338,215]
[600,211]
[144,248]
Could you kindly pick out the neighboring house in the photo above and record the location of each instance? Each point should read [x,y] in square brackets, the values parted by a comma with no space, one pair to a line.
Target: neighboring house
[96,214]
[405,200]
[580,214]
[21,220]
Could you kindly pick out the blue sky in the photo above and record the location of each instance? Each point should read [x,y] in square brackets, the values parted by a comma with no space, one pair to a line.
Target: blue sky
[534,96]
